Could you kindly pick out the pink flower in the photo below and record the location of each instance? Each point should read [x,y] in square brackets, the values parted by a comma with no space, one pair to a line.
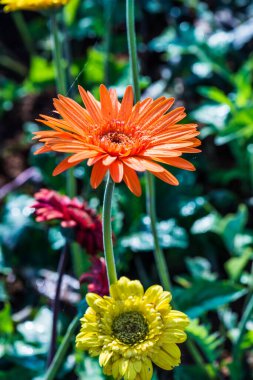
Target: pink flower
[87,226]
[97,277]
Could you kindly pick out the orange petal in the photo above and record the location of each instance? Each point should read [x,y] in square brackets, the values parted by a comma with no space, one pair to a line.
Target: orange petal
[117,171]
[91,105]
[97,174]
[149,107]
[83,155]
[64,165]
[126,104]
[134,163]
[93,160]
[155,113]
[68,147]
[43,149]
[190,150]
[132,181]
[106,103]
[178,162]
[76,124]
[108,160]
[151,165]
[166,177]
[154,152]
[115,102]
[78,110]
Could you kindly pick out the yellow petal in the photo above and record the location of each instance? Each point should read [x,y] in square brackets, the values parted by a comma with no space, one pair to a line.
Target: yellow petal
[130,373]
[153,293]
[164,360]
[123,366]
[146,370]
[137,365]
[104,358]
[91,298]
[115,369]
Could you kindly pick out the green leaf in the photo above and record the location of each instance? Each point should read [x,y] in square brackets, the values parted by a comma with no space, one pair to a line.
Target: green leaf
[235,265]
[6,324]
[89,368]
[208,342]
[214,93]
[169,234]
[232,225]
[41,70]
[206,295]
[199,267]
[205,224]
[70,11]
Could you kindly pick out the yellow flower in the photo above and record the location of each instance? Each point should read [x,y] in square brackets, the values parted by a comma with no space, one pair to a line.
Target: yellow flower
[131,329]
[31,5]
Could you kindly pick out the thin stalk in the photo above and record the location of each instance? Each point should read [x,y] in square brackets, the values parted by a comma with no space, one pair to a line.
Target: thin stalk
[242,327]
[107,232]
[23,31]
[60,354]
[108,9]
[158,253]
[56,303]
[61,83]
[131,38]
[150,188]
[60,68]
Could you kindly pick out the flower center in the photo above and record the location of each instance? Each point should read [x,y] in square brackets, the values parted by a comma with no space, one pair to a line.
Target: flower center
[130,327]
[116,138]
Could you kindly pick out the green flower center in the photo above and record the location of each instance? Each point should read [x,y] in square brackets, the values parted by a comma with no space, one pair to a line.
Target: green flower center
[130,327]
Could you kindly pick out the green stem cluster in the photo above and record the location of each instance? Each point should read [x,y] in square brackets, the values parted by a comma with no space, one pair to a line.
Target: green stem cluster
[150,186]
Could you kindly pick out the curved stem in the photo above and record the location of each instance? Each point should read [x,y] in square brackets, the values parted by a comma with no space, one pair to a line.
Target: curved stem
[56,303]
[107,232]
[60,355]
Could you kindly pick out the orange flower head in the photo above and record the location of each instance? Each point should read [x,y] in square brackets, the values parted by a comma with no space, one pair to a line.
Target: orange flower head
[121,138]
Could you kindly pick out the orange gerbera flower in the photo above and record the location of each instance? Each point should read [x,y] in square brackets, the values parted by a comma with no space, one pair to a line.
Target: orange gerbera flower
[121,138]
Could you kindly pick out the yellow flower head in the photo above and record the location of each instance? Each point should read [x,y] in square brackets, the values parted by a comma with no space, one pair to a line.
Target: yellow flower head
[131,329]
[31,5]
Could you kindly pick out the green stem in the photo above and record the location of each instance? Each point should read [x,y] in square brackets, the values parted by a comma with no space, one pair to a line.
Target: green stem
[242,327]
[60,69]
[107,232]
[60,354]
[61,83]
[131,38]
[150,193]
[158,253]
[24,32]
[108,9]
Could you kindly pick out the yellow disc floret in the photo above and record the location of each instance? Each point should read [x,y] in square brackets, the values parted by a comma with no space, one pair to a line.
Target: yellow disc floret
[131,329]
